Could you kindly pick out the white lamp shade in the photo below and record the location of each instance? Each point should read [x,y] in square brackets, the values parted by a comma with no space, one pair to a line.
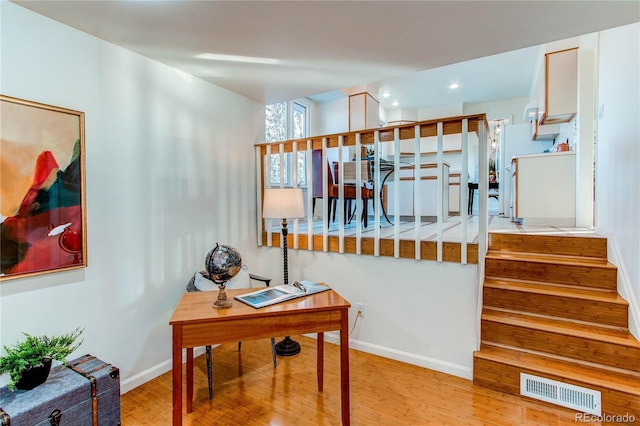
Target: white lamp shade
[283,203]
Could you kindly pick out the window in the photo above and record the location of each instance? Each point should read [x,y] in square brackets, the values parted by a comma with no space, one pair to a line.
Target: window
[283,121]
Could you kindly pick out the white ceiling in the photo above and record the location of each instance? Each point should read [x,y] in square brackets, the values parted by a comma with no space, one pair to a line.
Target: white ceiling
[314,47]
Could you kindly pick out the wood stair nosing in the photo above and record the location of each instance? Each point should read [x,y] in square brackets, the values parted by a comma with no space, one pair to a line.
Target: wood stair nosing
[539,261]
[562,370]
[571,341]
[560,326]
[554,289]
[550,258]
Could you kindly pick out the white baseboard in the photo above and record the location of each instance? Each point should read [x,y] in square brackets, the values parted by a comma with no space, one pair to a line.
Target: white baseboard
[153,372]
[332,338]
[409,358]
[624,285]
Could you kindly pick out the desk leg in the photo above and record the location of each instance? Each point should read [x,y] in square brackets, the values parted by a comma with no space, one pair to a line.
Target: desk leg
[189,380]
[320,361]
[344,367]
[177,375]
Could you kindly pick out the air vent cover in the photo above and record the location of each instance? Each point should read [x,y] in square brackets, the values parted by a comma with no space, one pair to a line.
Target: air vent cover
[564,394]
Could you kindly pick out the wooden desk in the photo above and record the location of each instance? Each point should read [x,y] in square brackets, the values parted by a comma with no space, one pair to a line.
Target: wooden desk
[196,323]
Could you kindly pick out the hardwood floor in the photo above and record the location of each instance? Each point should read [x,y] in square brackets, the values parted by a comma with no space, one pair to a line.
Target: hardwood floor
[249,391]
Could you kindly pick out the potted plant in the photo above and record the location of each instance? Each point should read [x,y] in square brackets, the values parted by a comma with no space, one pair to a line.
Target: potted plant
[28,362]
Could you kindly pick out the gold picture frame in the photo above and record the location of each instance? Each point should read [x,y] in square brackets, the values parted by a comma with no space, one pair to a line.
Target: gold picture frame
[42,189]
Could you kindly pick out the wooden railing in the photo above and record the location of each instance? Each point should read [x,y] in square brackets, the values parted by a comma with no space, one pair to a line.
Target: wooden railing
[385,140]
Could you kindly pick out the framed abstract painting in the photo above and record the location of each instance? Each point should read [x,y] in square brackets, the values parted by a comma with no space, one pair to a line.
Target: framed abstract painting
[42,189]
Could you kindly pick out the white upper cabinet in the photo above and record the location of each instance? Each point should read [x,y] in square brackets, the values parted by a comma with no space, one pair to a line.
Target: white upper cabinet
[561,86]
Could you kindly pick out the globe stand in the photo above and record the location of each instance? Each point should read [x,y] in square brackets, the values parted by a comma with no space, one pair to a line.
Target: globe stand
[286,347]
[222,302]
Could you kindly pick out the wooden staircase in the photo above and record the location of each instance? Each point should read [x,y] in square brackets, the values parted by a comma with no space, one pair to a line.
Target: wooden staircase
[551,309]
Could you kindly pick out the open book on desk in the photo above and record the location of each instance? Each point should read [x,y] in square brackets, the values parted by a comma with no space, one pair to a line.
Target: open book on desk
[272,295]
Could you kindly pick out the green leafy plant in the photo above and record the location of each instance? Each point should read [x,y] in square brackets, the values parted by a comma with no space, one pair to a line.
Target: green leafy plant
[35,350]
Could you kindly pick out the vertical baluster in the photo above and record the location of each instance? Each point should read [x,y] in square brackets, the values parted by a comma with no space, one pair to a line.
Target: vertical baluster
[440,190]
[267,185]
[310,212]
[260,189]
[325,198]
[463,196]
[377,203]
[294,184]
[396,192]
[341,202]
[417,207]
[358,211]
[282,175]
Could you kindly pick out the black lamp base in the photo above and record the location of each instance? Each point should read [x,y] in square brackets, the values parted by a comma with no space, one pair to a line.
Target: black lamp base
[287,347]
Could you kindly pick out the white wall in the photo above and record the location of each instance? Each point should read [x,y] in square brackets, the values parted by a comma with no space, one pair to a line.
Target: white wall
[442,111]
[331,117]
[423,313]
[511,109]
[170,172]
[618,154]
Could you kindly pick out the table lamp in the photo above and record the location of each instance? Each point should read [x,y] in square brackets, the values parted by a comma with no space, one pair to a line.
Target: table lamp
[283,203]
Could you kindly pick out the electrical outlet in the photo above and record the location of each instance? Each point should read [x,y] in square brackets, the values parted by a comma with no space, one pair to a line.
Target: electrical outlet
[360,307]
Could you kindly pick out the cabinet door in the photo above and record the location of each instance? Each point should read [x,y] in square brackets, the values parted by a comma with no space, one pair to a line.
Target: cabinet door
[454,197]
[561,88]
[405,193]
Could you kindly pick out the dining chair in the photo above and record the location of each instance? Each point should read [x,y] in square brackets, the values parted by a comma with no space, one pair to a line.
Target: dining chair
[317,182]
[493,186]
[201,282]
[366,194]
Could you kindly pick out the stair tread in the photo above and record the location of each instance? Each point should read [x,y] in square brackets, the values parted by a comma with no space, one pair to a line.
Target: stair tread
[586,331]
[551,258]
[555,290]
[588,375]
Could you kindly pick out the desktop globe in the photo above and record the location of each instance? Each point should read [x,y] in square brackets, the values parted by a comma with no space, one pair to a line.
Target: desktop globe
[222,263]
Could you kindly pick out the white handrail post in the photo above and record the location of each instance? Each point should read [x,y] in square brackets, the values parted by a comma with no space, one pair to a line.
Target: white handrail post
[483,189]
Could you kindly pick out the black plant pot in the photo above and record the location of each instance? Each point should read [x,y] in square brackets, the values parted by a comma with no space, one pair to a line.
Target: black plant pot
[34,376]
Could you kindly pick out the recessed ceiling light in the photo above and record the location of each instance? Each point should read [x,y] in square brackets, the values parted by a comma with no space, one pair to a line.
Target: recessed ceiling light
[395,103]
[454,86]
[386,94]
[234,58]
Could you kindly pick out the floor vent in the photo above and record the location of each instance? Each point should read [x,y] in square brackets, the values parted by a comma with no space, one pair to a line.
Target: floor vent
[566,395]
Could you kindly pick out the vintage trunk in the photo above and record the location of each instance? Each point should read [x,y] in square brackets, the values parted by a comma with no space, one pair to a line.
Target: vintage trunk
[83,393]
